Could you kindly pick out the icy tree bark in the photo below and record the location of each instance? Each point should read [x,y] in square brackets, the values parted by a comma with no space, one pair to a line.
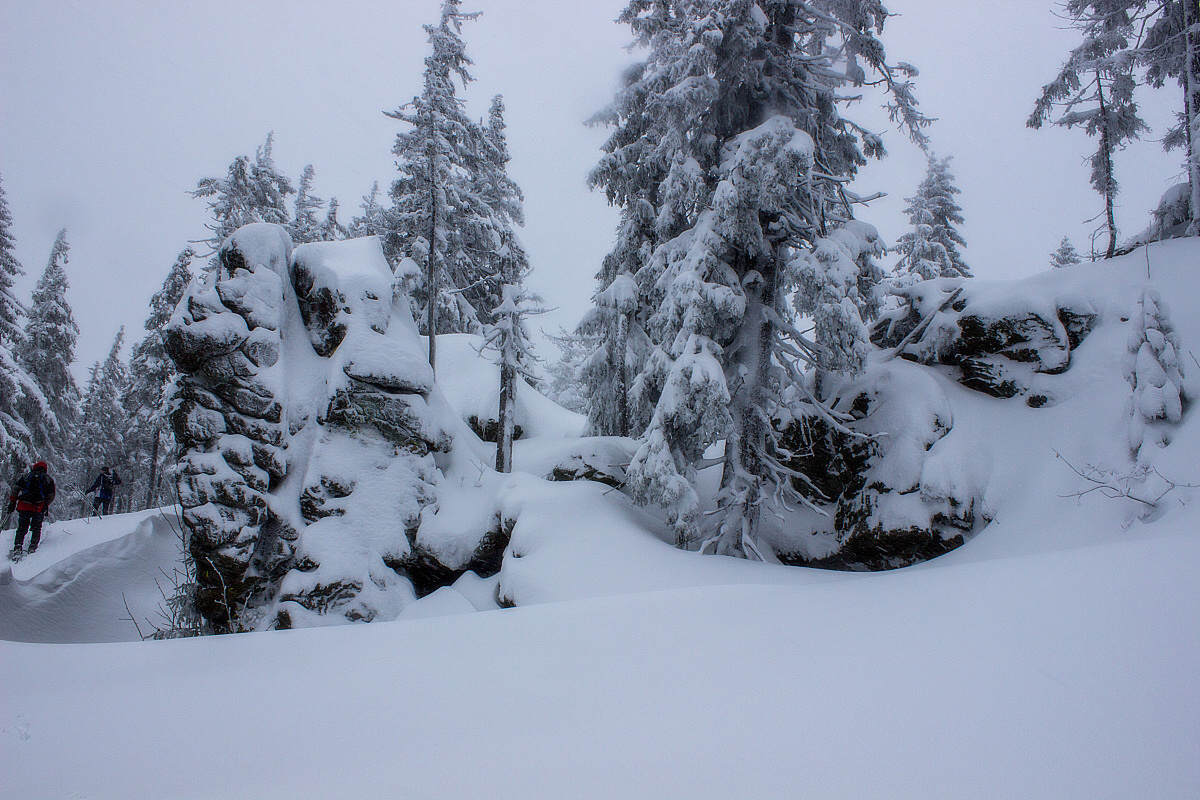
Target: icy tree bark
[1106,155]
[508,385]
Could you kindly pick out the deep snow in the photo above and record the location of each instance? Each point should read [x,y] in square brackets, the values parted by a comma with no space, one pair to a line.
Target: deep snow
[1055,655]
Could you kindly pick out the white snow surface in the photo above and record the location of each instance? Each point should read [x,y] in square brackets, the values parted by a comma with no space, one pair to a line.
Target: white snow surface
[471,382]
[1055,655]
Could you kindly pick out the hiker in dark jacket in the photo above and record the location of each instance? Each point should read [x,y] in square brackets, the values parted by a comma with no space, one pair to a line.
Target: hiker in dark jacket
[30,497]
[104,486]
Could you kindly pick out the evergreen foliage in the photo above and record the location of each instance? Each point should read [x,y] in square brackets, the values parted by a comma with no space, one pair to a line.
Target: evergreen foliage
[99,438]
[930,249]
[46,352]
[331,229]
[508,338]
[253,190]
[21,401]
[1170,49]
[436,213]
[373,220]
[453,204]
[731,130]
[11,309]
[1095,88]
[564,386]
[149,442]
[1065,255]
[305,226]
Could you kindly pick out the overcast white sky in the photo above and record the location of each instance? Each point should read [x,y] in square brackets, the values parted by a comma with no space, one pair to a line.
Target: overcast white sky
[113,110]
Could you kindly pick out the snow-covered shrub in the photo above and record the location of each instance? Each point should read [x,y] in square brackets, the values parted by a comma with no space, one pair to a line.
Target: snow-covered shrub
[1161,391]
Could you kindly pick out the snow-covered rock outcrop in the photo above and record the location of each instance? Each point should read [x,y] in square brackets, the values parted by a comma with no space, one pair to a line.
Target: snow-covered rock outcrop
[311,429]
[226,339]
[1000,341]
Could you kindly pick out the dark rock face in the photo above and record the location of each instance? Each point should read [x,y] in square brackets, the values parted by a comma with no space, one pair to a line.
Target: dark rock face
[878,475]
[997,349]
[225,338]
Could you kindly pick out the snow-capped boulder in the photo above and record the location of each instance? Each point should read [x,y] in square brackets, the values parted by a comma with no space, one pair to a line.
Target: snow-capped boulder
[894,492]
[997,340]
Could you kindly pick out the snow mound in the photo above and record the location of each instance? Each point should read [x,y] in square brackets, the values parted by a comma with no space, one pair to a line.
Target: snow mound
[471,382]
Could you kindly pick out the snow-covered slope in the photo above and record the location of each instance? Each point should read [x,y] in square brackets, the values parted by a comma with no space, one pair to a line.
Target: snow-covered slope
[1054,655]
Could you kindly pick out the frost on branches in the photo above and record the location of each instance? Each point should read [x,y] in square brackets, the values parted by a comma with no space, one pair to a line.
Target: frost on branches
[1065,256]
[454,207]
[930,249]
[1161,390]
[729,138]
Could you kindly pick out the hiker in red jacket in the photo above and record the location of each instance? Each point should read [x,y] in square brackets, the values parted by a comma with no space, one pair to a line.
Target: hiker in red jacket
[30,497]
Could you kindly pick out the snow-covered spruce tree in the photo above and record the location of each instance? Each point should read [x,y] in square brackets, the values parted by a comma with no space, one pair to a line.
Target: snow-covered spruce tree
[617,323]
[253,190]
[11,309]
[1170,49]
[149,441]
[99,437]
[1065,256]
[331,229]
[508,338]
[1095,89]
[372,221]
[46,352]
[930,249]
[508,264]
[634,174]
[743,123]
[564,386]
[20,397]
[1155,370]
[305,227]
[438,216]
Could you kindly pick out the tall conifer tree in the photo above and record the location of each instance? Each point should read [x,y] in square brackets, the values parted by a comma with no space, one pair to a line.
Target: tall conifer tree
[1094,89]
[441,216]
[23,407]
[930,249]
[735,126]
[149,442]
[47,351]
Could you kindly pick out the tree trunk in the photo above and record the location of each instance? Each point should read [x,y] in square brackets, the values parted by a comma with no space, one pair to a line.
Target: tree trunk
[431,280]
[1106,154]
[153,481]
[621,346]
[508,383]
[745,472]
[1191,106]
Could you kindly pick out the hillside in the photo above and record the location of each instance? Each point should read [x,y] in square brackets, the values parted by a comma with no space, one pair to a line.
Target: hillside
[1054,654]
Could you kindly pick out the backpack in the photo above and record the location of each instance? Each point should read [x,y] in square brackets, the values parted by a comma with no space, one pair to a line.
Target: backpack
[34,488]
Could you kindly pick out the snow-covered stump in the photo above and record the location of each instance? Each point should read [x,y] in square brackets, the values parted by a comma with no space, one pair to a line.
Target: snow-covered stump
[225,337]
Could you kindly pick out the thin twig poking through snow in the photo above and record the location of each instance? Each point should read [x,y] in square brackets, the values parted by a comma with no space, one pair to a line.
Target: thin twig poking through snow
[1113,484]
[131,617]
